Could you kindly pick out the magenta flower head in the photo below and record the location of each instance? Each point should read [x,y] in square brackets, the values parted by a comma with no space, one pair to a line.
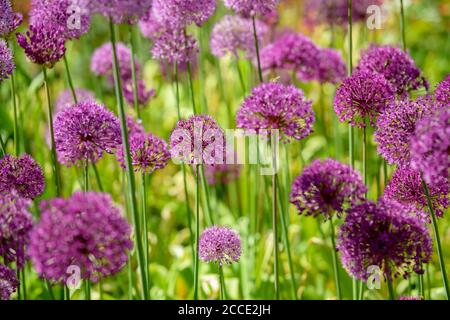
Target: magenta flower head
[198,140]
[220,245]
[149,25]
[362,96]
[44,44]
[442,92]
[430,145]
[134,127]
[249,8]
[71,15]
[175,46]
[181,13]
[148,153]
[331,68]
[22,174]
[7,64]
[327,187]
[120,11]
[9,20]
[143,94]
[8,282]
[233,34]
[65,99]
[86,231]
[15,226]
[84,132]
[387,235]
[406,187]
[397,124]
[395,65]
[276,106]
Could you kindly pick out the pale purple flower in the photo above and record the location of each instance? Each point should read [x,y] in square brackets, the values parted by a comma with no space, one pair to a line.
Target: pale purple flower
[65,99]
[175,46]
[120,11]
[150,26]
[9,20]
[8,282]
[134,127]
[249,8]
[442,92]
[181,13]
[331,67]
[220,245]
[143,94]
[7,64]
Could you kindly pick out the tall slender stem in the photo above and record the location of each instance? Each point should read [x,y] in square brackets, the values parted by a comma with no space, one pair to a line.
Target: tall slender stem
[15,112]
[197,229]
[69,79]
[402,25]
[208,208]
[390,289]
[145,223]
[86,176]
[275,220]
[2,145]
[335,261]
[255,37]
[223,290]
[365,156]
[191,87]
[129,168]
[241,76]
[134,72]
[97,177]
[87,289]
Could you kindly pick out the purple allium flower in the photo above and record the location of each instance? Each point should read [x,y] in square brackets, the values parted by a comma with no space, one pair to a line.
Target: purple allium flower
[65,99]
[406,187]
[84,131]
[233,34]
[9,20]
[292,51]
[198,140]
[15,225]
[221,245]
[149,25]
[363,95]
[395,65]
[148,153]
[410,298]
[8,282]
[7,64]
[331,67]
[388,235]
[327,187]
[134,127]
[175,46]
[44,44]
[22,174]
[181,13]
[442,92]
[276,106]
[87,231]
[249,8]
[61,13]
[430,146]
[397,124]
[144,95]
[120,11]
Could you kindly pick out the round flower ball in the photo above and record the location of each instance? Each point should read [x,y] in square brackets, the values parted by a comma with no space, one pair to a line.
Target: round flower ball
[442,92]
[220,245]
[9,20]
[7,64]
[8,282]
[250,8]
[85,230]
[175,46]
[65,99]
[331,67]
[178,14]
[120,11]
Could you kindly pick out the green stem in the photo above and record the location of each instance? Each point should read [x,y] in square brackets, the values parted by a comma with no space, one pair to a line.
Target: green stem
[421,286]
[275,222]
[390,289]
[86,176]
[207,197]
[2,145]
[402,25]
[49,290]
[335,261]
[191,87]
[145,223]
[197,229]
[97,177]
[255,37]
[87,290]
[134,72]
[223,290]
[223,96]
[69,80]
[129,168]
[365,156]
[15,112]
[241,77]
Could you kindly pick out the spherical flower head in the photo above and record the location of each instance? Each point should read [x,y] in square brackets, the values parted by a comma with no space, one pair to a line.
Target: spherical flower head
[327,187]
[143,95]
[181,13]
[233,34]
[16,223]
[148,153]
[22,174]
[65,99]
[388,235]
[150,26]
[198,140]
[175,46]
[86,231]
[84,132]
[44,44]
[120,11]
[430,145]
[220,245]
[395,65]
[8,282]
[397,124]
[292,51]
[276,106]
[249,8]
[406,187]
[71,15]
[9,20]
[134,127]
[331,67]
[7,64]
[442,92]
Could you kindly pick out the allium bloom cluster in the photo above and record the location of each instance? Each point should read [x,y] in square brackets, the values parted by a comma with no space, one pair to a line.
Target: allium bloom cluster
[397,124]
[181,13]
[430,145]
[175,46]
[120,11]
[65,99]
[331,68]
[388,235]
[292,51]
[8,282]
[44,44]
[198,140]
[15,225]
[276,106]
[406,187]
[362,96]
[84,132]
[442,92]
[250,8]
[233,34]
[221,245]
[222,173]
[9,20]
[327,187]
[395,65]
[87,231]
[22,174]
[149,25]
[134,127]
[143,95]
[148,153]
[7,64]
[63,13]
